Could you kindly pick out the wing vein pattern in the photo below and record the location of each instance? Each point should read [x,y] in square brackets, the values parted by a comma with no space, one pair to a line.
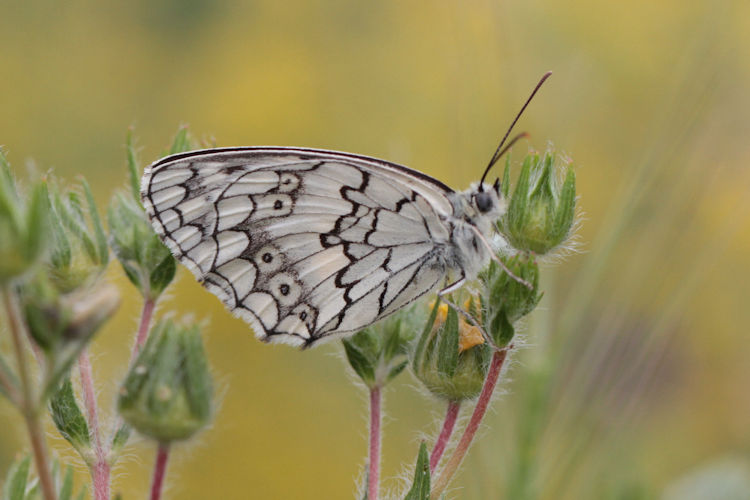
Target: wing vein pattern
[303,244]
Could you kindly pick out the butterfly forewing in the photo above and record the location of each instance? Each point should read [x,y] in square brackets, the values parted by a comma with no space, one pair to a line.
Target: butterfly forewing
[303,244]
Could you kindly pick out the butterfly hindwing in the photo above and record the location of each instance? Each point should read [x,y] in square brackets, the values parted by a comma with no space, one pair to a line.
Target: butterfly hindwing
[303,244]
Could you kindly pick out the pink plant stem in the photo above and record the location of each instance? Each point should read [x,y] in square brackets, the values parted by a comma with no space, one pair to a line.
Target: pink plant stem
[100,469]
[480,409]
[449,423]
[142,334]
[29,404]
[373,477]
[160,470]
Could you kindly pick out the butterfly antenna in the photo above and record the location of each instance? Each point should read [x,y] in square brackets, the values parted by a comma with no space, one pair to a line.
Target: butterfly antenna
[499,151]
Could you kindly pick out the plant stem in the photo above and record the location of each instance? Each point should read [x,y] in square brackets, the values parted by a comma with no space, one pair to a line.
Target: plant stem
[29,405]
[451,414]
[373,476]
[142,334]
[480,409]
[100,469]
[160,470]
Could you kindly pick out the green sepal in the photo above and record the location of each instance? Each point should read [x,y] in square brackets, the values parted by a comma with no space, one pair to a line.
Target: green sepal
[396,370]
[566,207]
[425,337]
[501,329]
[162,275]
[181,142]
[69,420]
[448,345]
[134,169]
[98,228]
[120,439]
[362,365]
[505,186]
[420,486]
[17,479]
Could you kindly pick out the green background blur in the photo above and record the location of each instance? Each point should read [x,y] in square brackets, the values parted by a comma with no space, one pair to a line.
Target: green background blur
[636,371]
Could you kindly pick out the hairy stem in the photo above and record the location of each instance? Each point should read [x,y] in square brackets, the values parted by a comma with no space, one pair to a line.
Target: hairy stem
[480,409]
[451,414]
[373,476]
[29,404]
[100,469]
[142,334]
[160,470]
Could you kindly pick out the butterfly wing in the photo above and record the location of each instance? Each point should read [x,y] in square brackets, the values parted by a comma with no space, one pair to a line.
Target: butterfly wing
[303,244]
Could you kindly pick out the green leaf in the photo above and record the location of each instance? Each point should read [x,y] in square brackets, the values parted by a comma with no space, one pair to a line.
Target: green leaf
[68,418]
[448,348]
[15,482]
[420,489]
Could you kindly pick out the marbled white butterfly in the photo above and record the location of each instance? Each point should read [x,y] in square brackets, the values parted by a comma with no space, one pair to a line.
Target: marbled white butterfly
[307,245]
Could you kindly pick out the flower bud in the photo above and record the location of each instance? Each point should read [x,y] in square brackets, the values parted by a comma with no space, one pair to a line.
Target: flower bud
[167,393]
[23,226]
[451,358]
[377,354]
[540,213]
[505,300]
[56,320]
[146,261]
[79,252]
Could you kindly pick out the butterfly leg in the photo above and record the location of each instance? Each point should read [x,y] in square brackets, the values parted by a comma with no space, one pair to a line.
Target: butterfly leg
[443,295]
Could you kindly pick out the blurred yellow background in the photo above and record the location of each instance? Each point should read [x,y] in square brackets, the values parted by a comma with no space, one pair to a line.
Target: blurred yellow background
[640,350]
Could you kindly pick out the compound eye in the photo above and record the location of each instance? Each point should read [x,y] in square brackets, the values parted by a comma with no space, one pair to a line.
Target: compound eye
[483,200]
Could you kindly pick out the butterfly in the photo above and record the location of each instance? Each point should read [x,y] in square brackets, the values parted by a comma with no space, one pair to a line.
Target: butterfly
[308,245]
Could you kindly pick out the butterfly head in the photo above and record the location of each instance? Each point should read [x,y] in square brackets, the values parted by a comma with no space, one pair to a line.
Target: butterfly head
[486,200]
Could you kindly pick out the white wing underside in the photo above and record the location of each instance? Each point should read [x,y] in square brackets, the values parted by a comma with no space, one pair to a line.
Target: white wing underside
[302,244]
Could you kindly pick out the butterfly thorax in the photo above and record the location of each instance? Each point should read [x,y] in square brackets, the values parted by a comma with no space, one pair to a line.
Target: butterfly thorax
[475,213]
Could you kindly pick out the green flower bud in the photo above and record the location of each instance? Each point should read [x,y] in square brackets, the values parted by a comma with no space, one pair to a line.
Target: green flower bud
[80,252]
[146,261]
[451,358]
[505,300]
[540,213]
[23,226]
[167,393]
[377,354]
[56,320]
